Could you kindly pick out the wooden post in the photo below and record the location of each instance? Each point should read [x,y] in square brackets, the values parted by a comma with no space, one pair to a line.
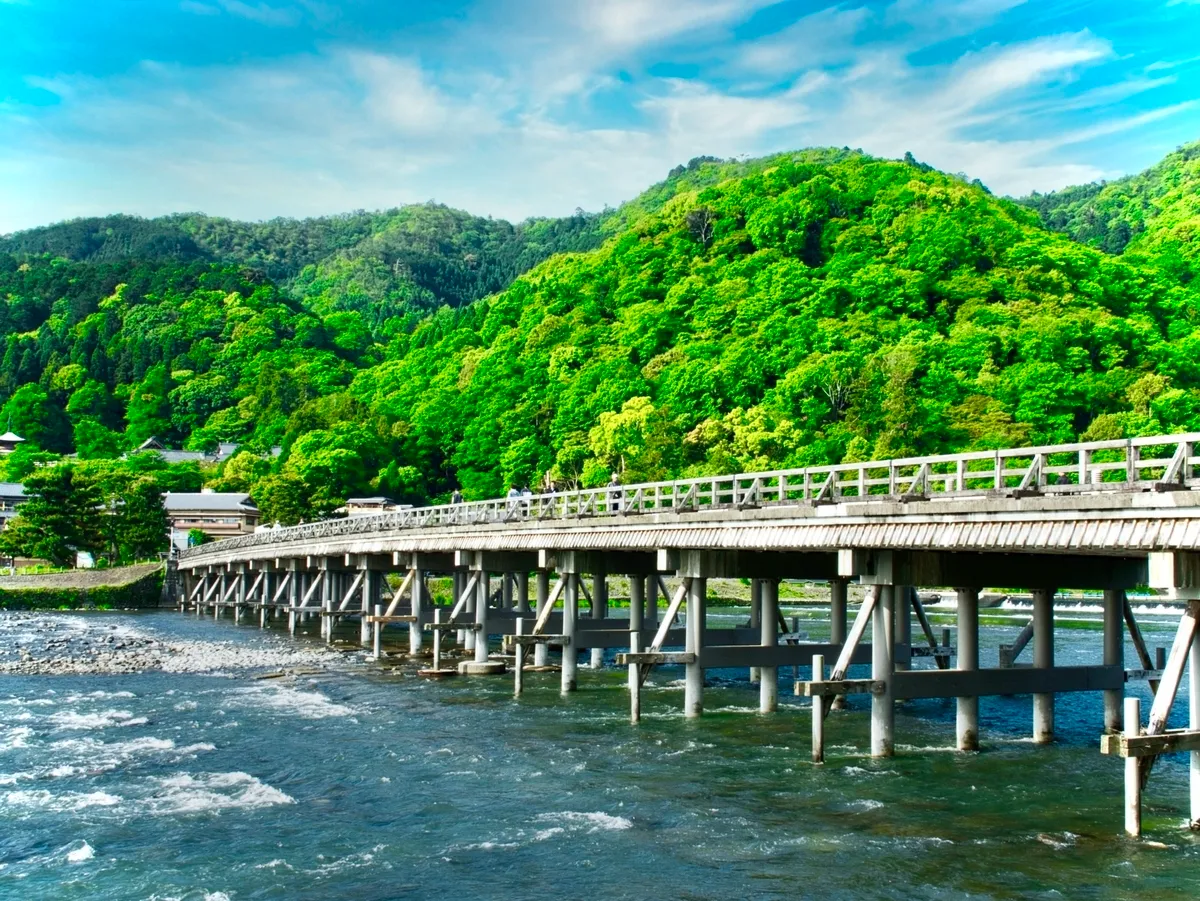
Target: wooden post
[1133,776]
[1114,655]
[637,603]
[519,661]
[693,678]
[883,645]
[818,711]
[967,726]
[377,633]
[768,686]
[1043,658]
[837,625]
[570,653]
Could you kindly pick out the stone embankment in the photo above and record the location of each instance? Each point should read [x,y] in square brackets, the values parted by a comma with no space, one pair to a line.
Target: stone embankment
[121,587]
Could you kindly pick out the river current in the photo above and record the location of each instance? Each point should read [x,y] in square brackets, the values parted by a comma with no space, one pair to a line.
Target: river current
[367,783]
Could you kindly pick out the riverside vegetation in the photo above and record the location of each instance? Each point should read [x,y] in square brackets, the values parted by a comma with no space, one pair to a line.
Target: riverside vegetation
[800,309]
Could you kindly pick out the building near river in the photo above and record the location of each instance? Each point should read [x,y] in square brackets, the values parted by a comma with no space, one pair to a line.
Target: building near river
[12,495]
[217,514]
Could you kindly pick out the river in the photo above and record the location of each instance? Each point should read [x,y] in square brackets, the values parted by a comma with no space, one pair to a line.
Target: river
[204,783]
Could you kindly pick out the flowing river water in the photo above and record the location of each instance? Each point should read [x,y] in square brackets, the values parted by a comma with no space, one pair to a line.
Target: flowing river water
[192,779]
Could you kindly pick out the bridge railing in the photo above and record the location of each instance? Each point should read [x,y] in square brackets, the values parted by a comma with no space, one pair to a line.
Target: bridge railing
[1135,464]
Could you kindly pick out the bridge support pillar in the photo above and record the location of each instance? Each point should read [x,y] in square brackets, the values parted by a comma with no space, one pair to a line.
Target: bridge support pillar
[294,594]
[506,590]
[967,725]
[329,586]
[838,591]
[1043,658]
[637,603]
[541,651]
[1194,725]
[523,594]
[372,594]
[419,600]
[599,611]
[768,681]
[883,664]
[650,617]
[481,617]
[467,637]
[1114,654]
[756,592]
[222,591]
[570,653]
[693,685]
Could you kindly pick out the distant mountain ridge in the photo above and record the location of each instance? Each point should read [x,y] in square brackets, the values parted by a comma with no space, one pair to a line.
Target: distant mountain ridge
[381,264]
[1155,212]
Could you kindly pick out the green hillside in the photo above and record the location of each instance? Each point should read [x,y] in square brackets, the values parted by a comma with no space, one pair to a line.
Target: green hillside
[801,309]
[382,264]
[1156,212]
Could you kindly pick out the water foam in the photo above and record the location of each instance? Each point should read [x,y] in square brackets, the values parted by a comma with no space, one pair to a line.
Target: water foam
[69,720]
[309,705]
[595,821]
[212,792]
[80,854]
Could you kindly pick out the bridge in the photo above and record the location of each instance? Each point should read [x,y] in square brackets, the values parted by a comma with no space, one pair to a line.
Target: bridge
[1106,516]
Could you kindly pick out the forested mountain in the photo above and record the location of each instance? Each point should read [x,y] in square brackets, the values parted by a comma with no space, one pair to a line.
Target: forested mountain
[800,309]
[1156,212]
[383,264]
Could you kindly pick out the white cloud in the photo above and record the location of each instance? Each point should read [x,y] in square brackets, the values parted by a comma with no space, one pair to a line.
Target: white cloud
[817,39]
[506,122]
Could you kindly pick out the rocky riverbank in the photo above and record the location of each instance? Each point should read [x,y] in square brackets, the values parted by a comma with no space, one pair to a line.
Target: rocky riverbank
[84,644]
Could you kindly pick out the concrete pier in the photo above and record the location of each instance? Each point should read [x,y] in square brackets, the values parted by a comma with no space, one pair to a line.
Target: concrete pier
[768,686]
[599,611]
[1114,654]
[1043,658]
[570,619]
[883,706]
[697,605]
[967,719]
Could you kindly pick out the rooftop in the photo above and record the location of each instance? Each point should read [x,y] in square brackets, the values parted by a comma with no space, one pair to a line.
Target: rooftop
[179,501]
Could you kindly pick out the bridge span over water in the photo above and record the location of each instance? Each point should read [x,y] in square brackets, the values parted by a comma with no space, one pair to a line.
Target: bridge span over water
[1104,516]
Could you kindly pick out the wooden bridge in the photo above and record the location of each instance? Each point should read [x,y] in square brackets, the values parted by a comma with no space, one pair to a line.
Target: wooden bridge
[1106,516]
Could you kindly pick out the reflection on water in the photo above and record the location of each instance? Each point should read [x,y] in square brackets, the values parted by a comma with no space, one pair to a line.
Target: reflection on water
[366,784]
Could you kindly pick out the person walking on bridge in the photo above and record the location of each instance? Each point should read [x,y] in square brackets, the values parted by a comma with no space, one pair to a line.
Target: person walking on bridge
[615,494]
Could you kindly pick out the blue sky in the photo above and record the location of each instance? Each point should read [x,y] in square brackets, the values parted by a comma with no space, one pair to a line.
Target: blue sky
[514,108]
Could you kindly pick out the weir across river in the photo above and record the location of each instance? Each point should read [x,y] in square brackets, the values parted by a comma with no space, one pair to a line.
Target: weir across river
[1105,516]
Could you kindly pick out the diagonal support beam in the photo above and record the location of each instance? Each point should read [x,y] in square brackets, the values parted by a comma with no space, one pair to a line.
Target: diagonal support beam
[861,623]
[1139,643]
[282,588]
[350,592]
[1172,677]
[664,627]
[544,616]
[312,589]
[399,594]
